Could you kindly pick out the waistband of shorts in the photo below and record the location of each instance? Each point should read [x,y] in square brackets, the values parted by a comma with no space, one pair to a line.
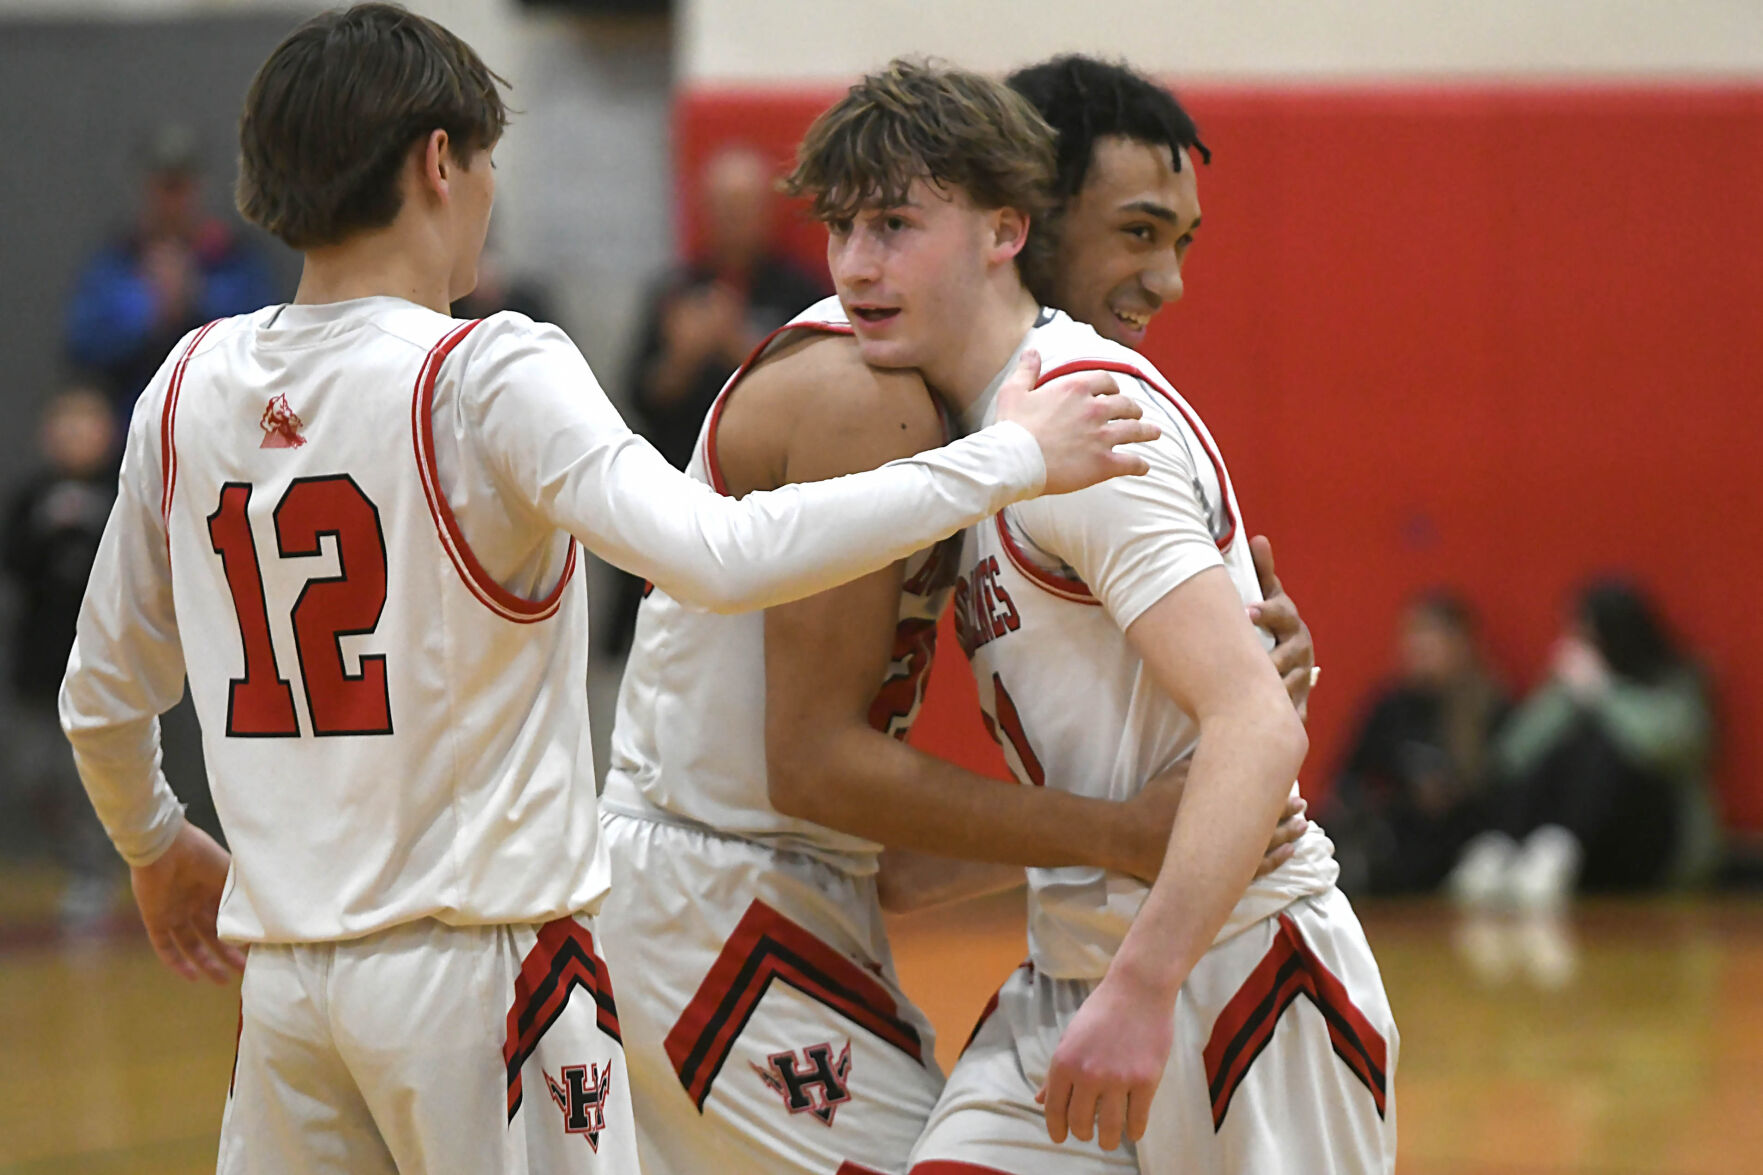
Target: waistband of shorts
[623,798]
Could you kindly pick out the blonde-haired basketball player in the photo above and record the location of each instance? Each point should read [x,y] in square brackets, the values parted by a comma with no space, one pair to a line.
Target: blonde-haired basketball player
[1189,1026]
[352,523]
[755,764]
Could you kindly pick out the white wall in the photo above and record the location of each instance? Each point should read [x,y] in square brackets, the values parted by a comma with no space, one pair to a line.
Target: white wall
[757,42]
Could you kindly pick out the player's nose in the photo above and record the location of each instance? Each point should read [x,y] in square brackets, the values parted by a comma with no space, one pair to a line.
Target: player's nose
[853,262]
[1163,279]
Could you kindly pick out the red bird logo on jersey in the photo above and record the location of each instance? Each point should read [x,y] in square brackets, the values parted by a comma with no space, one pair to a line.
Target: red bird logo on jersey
[281,428]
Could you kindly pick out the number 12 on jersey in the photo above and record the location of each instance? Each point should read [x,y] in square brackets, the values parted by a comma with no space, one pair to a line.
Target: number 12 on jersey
[260,704]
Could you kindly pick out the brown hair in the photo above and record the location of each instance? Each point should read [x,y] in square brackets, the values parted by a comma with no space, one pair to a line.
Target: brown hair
[333,113]
[921,120]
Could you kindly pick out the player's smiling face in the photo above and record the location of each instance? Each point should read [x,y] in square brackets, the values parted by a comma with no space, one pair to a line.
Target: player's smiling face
[1124,238]
[909,274]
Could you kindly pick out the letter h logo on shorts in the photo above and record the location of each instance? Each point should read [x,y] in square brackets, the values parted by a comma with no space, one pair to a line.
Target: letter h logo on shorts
[582,1098]
[814,1084]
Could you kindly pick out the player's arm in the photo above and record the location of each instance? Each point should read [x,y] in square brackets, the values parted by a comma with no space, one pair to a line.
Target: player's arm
[126,668]
[1147,552]
[555,441]
[826,655]
[1200,648]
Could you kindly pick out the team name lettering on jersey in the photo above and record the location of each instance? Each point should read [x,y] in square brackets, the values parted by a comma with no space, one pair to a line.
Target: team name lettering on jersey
[983,609]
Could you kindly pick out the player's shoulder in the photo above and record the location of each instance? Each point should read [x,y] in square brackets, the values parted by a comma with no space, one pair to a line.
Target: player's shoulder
[1068,345]
[812,408]
[198,342]
[821,383]
[501,332]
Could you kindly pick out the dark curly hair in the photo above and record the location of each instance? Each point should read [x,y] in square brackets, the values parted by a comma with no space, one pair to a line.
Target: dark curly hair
[1084,99]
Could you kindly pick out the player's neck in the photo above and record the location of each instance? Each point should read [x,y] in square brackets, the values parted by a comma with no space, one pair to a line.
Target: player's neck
[991,337]
[388,261]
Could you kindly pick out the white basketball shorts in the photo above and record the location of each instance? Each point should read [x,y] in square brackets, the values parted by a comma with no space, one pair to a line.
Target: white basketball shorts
[430,1048]
[1259,1082]
[764,1027]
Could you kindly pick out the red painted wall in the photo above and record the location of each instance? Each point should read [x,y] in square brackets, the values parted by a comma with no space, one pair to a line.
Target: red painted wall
[1497,338]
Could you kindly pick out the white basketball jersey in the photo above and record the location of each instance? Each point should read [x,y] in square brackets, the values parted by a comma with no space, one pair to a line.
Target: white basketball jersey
[1064,694]
[689,738]
[389,733]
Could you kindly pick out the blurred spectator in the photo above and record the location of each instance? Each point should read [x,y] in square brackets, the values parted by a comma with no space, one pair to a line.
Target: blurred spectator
[705,316]
[1414,787]
[175,269]
[1605,767]
[52,529]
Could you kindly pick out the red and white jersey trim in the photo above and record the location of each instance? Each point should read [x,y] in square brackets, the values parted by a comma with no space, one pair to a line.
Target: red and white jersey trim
[168,423]
[1151,381]
[490,593]
[710,464]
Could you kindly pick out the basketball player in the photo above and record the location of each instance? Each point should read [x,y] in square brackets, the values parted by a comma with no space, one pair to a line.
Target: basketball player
[753,770]
[1164,1016]
[352,522]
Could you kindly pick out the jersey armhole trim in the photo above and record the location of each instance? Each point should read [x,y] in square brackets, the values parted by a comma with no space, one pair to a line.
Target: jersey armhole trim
[168,453]
[1070,589]
[1156,385]
[491,594]
[710,465]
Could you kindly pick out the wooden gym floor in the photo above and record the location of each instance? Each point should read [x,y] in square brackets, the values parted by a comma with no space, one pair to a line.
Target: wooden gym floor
[1625,1039]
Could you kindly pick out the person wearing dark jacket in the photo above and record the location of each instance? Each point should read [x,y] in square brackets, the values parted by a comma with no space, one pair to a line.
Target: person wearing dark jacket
[1414,786]
[703,319]
[53,525]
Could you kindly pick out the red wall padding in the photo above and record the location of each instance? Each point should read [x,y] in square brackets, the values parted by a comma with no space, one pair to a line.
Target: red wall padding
[1497,338]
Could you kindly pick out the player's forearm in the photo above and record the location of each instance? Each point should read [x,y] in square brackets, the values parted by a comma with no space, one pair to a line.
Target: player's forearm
[910,881]
[779,545]
[1241,775]
[118,762]
[860,781]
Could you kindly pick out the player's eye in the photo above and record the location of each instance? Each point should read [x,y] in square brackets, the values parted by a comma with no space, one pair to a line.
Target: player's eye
[839,226]
[1140,232]
[894,224]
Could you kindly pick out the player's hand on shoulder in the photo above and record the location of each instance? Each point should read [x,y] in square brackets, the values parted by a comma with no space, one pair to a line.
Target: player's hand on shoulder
[179,896]
[1108,1065]
[1079,420]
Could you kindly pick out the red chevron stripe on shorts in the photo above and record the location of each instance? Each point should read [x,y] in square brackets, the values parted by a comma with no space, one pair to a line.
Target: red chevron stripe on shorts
[1245,1026]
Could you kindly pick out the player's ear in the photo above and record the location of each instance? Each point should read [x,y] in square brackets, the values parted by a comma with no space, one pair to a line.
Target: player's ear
[1009,232]
[437,163]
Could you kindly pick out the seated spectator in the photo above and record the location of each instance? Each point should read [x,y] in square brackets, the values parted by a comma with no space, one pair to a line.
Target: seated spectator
[1414,786]
[1604,767]
[176,268]
[52,529]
